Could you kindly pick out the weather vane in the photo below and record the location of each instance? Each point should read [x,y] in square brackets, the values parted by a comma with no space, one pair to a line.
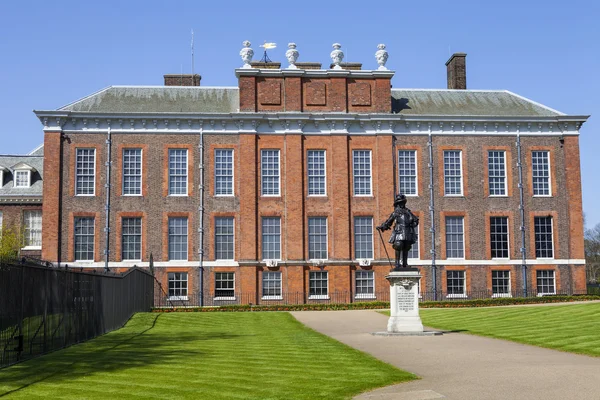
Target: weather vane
[267,46]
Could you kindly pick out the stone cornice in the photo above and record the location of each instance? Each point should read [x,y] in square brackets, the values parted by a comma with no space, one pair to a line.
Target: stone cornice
[314,73]
[20,199]
[308,124]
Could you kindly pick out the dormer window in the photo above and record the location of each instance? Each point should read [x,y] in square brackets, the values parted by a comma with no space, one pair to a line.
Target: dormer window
[2,169]
[22,175]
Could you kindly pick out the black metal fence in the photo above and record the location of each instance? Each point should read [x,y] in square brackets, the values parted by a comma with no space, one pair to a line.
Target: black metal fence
[44,308]
[210,299]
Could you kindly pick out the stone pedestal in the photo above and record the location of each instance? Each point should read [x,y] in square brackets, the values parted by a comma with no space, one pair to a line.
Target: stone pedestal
[404,301]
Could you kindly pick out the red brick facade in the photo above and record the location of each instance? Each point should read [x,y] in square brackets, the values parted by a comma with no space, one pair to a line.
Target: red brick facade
[333,92]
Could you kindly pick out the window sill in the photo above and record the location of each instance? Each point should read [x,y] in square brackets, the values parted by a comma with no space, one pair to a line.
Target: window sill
[364,196]
[456,296]
[365,296]
[224,195]
[31,248]
[272,298]
[224,298]
[498,195]
[178,297]
[501,295]
[84,261]
[132,195]
[319,297]
[85,195]
[177,195]
[542,195]
[546,294]
[454,195]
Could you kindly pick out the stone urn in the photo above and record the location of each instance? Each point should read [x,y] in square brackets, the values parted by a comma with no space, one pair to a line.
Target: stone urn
[337,56]
[292,55]
[246,53]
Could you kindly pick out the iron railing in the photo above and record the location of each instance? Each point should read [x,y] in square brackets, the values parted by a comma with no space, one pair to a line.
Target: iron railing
[212,299]
[43,308]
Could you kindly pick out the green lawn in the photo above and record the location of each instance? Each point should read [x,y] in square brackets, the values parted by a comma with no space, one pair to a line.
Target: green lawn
[574,328]
[202,356]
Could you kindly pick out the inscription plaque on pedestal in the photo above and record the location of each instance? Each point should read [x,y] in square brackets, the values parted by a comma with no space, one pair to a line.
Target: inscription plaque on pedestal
[405,300]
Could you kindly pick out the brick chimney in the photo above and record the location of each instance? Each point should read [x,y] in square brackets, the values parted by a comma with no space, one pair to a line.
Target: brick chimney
[182,80]
[457,71]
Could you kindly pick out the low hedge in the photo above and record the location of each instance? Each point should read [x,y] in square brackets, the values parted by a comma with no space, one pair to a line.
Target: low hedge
[376,305]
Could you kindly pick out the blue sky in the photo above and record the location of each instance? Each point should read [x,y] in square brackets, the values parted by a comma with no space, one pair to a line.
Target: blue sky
[53,53]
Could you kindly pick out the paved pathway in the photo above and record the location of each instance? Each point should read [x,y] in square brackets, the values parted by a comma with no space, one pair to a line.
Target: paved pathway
[461,366]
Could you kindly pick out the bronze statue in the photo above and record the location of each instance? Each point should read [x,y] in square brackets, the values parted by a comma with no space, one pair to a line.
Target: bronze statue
[404,234]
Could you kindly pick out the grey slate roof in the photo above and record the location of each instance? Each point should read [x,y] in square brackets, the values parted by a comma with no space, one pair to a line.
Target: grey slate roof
[159,99]
[174,99]
[7,189]
[499,103]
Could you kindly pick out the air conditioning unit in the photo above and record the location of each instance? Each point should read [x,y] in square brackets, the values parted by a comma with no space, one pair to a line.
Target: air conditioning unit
[271,263]
[364,262]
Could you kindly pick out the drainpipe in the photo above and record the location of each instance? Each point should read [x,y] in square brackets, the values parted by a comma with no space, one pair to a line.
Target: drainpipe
[522,211]
[432,214]
[394,161]
[201,216]
[107,204]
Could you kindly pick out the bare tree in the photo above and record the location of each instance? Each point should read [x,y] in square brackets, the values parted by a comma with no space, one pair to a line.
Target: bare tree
[592,254]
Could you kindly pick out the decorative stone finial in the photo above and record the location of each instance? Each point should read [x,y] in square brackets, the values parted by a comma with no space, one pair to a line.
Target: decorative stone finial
[292,55]
[381,55]
[337,56]
[246,53]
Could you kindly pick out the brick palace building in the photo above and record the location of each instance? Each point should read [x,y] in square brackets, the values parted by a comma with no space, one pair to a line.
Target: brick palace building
[271,191]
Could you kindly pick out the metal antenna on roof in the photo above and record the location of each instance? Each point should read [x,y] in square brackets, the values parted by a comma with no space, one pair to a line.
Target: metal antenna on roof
[192,45]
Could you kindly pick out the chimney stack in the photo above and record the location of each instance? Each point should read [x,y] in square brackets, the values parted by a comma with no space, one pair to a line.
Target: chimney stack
[182,80]
[457,71]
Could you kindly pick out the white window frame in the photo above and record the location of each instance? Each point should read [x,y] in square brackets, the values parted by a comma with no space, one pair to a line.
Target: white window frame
[93,169]
[363,295]
[262,236]
[370,176]
[263,176]
[463,236]
[464,279]
[553,281]
[225,297]
[551,241]
[462,180]
[272,297]
[187,172]
[187,238]
[233,238]
[93,241]
[27,179]
[187,288]
[372,238]
[324,194]
[25,238]
[507,237]
[1,222]
[416,153]
[509,294]
[318,296]
[326,238]
[505,174]
[1,176]
[141,239]
[232,172]
[141,171]
[549,174]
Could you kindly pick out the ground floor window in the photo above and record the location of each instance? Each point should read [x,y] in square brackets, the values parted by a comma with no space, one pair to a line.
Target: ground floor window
[501,283]
[224,284]
[318,285]
[455,283]
[365,284]
[178,285]
[271,285]
[546,284]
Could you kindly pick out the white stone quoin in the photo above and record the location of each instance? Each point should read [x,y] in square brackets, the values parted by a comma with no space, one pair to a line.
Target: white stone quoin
[404,302]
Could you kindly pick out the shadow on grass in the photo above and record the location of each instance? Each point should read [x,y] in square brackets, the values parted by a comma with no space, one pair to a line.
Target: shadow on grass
[129,347]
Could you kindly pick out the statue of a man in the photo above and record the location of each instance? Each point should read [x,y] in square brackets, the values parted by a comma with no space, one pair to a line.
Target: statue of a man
[404,234]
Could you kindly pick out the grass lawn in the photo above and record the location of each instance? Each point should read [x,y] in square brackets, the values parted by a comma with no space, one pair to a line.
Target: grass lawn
[202,356]
[574,328]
